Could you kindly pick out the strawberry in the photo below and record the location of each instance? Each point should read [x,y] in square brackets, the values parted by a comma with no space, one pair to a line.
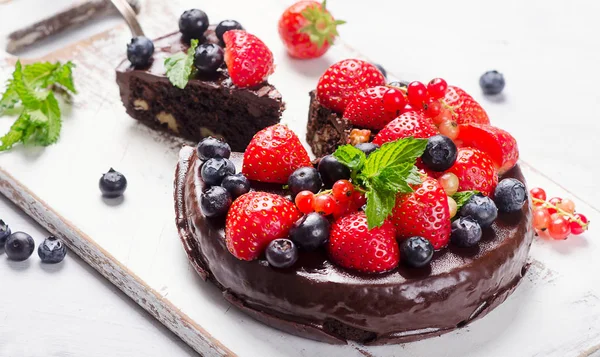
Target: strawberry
[498,143]
[353,246]
[424,213]
[407,124]
[366,109]
[307,29]
[273,154]
[464,108]
[475,171]
[254,220]
[249,61]
[343,80]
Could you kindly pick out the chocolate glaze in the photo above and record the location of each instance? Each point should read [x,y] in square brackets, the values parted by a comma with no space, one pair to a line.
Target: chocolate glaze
[319,300]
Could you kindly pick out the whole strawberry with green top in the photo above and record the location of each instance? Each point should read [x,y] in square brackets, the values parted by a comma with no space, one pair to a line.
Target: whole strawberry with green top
[307,29]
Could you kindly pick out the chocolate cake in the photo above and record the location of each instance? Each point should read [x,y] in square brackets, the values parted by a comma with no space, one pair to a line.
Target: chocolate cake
[208,106]
[326,129]
[319,300]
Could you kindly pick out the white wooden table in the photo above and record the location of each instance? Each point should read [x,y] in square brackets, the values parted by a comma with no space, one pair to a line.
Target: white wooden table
[560,146]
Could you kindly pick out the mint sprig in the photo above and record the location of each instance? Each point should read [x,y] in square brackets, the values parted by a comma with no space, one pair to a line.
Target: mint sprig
[179,66]
[31,87]
[462,197]
[388,171]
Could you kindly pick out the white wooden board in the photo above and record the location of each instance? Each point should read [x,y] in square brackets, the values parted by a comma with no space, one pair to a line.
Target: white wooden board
[135,244]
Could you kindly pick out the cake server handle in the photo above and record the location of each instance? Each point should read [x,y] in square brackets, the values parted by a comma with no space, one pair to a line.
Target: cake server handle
[128,14]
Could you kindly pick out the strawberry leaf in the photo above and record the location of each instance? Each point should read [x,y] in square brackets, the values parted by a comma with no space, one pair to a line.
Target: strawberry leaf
[463,197]
[179,66]
[351,157]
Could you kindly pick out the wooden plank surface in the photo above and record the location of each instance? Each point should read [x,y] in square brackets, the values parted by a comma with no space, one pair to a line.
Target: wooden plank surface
[137,248]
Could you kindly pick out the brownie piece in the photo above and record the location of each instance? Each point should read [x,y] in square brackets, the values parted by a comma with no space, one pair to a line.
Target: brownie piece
[326,129]
[208,106]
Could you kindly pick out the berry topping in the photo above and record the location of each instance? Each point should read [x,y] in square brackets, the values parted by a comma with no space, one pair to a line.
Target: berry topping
[481,208]
[498,143]
[332,170]
[342,190]
[492,82]
[305,179]
[343,80]
[249,61]
[281,253]
[254,220]
[211,147]
[52,250]
[307,29]
[273,154]
[208,58]
[449,182]
[139,51]
[440,153]
[436,88]
[417,94]
[193,23]
[304,201]
[310,232]
[450,129]
[424,213]
[466,232]
[510,195]
[367,148]
[464,108]
[236,185]
[19,246]
[368,109]
[353,246]
[225,26]
[324,204]
[359,136]
[215,201]
[4,233]
[416,252]
[408,124]
[475,171]
[214,170]
[113,184]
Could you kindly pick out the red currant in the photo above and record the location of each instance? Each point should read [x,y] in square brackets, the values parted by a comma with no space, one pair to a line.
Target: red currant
[452,206]
[576,227]
[342,190]
[554,201]
[567,205]
[449,182]
[341,208]
[394,101]
[304,201]
[359,199]
[559,228]
[436,88]
[449,129]
[433,108]
[538,193]
[324,204]
[541,218]
[417,94]
[445,115]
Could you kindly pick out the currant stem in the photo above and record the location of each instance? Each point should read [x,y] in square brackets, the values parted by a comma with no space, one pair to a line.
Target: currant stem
[562,212]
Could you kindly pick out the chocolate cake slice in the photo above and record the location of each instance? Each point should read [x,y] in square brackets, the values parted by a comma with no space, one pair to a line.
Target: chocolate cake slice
[208,106]
[326,129]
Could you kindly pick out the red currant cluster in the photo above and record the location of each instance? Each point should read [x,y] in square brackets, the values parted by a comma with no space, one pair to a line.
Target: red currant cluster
[556,217]
[341,199]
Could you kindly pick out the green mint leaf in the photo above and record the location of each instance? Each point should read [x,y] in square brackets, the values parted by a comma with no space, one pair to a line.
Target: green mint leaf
[46,74]
[351,157]
[9,99]
[463,197]
[48,120]
[396,178]
[179,66]
[393,154]
[16,132]
[27,95]
[380,203]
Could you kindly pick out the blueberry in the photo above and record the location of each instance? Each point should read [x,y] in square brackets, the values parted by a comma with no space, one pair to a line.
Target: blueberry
[19,246]
[367,148]
[399,84]
[236,185]
[4,233]
[211,147]
[305,179]
[310,232]
[139,51]
[208,57]
[481,208]
[332,170]
[215,170]
[492,82]
[193,23]
[416,252]
[282,253]
[510,195]
[52,250]
[215,201]
[381,69]
[466,232]
[113,184]
[225,26]
[440,153]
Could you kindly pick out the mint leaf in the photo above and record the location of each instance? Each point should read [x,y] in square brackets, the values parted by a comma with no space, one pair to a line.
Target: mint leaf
[16,132]
[351,157]
[179,66]
[393,154]
[48,120]
[463,197]
[45,74]
[9,99]
[29,97]
[396,178]
[380,203]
